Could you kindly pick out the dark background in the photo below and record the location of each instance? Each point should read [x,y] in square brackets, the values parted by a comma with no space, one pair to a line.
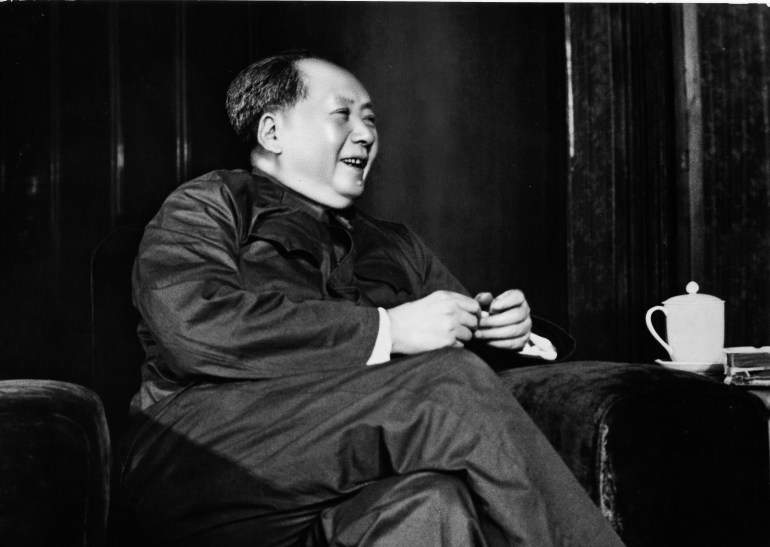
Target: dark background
[548,147]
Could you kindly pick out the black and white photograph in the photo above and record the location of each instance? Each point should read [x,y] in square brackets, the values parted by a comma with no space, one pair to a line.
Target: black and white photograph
[384,274]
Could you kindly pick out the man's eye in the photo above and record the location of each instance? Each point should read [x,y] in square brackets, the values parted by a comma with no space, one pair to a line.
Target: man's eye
[344,112]
[371,120]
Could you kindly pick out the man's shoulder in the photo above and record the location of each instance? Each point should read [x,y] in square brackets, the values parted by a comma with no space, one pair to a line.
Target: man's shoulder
[229,188]
[215,181]
[223,194]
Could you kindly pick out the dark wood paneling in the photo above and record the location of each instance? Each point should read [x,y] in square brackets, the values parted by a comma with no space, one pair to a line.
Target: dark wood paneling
[621,192]
[735,88]
[147,39]
[212,143]
[29,297]
[81,117]
[689,130]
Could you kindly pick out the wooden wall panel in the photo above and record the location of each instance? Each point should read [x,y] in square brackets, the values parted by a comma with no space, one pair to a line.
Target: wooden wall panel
[81,121]
[29,298]
[621,226]
[735,88]
[147,46]
[212,143]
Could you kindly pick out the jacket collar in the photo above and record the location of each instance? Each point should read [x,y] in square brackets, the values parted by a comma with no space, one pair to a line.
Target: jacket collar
[276,193]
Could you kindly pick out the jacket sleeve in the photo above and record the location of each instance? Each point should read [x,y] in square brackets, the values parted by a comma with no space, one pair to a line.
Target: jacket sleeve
[187,286]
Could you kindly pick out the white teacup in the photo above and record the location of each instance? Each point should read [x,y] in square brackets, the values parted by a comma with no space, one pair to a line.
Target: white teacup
[695,327]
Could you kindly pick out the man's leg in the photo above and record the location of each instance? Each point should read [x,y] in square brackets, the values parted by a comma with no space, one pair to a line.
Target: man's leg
[272,454]
[425,508]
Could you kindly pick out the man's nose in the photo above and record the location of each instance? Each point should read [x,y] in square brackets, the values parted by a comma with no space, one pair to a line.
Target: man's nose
[363,134]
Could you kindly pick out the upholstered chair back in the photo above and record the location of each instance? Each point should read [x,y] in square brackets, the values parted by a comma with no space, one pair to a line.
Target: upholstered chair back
[117,354]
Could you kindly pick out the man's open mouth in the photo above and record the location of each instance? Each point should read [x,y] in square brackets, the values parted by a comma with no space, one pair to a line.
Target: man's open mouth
[359,163]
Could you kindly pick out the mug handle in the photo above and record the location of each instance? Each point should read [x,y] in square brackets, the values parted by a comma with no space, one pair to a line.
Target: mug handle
[657,337]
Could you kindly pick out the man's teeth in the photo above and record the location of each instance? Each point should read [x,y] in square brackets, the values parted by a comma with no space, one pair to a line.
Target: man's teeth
[354,162]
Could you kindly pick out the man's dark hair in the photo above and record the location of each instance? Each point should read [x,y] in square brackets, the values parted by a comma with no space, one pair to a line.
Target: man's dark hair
[271,83]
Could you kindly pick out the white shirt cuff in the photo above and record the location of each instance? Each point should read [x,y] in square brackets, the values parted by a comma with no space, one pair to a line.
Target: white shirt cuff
[384,343]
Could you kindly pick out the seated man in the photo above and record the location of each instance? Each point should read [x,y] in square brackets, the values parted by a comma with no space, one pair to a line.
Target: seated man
[306,382]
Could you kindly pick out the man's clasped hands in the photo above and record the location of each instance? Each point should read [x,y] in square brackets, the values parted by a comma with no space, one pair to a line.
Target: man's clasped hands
[449,319]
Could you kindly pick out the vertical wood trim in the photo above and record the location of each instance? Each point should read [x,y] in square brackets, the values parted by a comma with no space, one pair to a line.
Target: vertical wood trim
[570,86]
[572,308]
[180,74]
[4,148]
[117,145]
[682,191]
[591,221]
[54,166]
[694,141]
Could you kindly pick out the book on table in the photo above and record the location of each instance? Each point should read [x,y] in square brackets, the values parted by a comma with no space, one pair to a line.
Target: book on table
[748,366]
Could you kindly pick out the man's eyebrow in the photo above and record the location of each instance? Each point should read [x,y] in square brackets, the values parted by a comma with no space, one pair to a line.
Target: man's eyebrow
[348,101]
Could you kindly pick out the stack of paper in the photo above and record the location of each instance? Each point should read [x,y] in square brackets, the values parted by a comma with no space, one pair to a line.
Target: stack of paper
[748,366]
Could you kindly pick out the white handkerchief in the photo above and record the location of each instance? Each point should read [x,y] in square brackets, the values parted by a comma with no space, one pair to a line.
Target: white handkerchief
[537,346]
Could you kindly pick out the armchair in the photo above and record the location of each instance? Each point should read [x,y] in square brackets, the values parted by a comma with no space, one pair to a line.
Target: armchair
[54,465]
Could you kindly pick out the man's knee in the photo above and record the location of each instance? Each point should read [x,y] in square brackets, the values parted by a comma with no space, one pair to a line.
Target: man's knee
[441,512]
[425,507]
[452,362]
[458,376]
[442,494]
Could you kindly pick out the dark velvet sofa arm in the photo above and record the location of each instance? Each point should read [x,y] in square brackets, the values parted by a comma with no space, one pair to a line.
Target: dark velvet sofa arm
[54,465]
[671,458]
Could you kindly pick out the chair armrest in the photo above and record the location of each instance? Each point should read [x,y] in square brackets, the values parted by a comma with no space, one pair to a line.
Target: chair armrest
[54,464]
[671,458]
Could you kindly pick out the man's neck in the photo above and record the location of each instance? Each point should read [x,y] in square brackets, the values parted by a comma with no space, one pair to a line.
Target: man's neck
[269,168]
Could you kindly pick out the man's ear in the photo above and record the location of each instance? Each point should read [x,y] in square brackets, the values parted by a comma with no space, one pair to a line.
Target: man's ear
[267,132]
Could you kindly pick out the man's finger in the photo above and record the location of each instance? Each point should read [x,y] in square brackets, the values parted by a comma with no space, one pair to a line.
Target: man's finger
[505,333]
[508,317]
[468,320]
[484,299]
[509,299]
[467,303]
[463,334]
[515,343]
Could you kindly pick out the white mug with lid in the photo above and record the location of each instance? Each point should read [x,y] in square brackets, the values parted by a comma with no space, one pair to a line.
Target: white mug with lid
[695,327]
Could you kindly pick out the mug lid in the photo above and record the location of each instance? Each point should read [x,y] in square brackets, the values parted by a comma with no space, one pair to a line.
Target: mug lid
[692,296]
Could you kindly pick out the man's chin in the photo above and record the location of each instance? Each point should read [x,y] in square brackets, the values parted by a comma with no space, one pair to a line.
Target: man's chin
[352,190]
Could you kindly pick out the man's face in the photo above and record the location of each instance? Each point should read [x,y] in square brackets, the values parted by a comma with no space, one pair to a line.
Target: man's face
[329,139]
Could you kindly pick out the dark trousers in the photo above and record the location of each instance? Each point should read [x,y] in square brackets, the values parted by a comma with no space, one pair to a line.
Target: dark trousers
[426,450]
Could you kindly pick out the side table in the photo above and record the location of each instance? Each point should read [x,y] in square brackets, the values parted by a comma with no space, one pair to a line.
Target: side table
[764,395]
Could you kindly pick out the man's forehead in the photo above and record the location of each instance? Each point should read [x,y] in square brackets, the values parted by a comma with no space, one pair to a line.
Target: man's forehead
[327,80]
